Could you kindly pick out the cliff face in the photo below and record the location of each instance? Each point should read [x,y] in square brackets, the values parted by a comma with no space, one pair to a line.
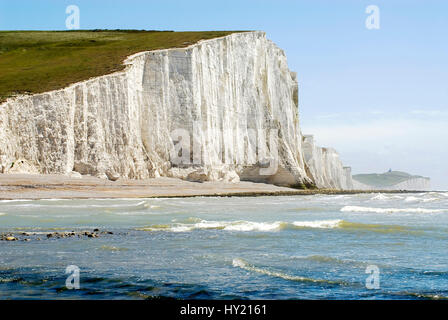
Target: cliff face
[348,178]
[230,102]
[385,181]
[325,167]
[418,184]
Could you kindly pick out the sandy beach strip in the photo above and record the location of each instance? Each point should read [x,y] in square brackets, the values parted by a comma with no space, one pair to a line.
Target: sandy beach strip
[26,186]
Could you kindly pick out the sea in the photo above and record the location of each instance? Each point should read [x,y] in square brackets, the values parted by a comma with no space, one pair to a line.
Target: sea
[357,246]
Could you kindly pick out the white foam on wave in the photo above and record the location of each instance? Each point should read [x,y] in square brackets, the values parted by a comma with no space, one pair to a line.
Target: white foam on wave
[244,226]
[385,197]
[391,210]
[2,214]
[380,197]
[431,199]
[181,229]
[139,205]
[240,263]
[320,224]
[342,196]
[254,226]
[412,199]
[424,199]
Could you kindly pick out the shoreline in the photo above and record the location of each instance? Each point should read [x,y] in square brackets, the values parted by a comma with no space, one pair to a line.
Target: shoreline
[51,186]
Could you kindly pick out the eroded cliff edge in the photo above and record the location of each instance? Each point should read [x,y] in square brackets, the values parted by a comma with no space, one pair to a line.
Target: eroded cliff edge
[234,96]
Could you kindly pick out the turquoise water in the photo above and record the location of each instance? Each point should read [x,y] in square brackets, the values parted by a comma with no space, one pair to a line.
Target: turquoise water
[300,247]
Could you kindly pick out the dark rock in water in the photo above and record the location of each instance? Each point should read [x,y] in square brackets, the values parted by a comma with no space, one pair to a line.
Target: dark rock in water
[57,235]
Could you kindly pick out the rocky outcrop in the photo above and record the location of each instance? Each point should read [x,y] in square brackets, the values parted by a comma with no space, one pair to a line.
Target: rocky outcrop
[222,109]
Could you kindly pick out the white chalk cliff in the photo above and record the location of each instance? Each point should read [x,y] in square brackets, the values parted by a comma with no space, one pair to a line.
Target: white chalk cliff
[325,167]
[403,181]
[235,97]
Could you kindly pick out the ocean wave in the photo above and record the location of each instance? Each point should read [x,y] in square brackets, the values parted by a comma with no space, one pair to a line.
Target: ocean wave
[385,197]
[15,200]
[319,224]
[141,205]
[333,260]
[379,228]
[391,210]
[2,214]
[112,248]
[413,199]
[240,263]
[256,226]
[247,226]
[380,197]
[243,226]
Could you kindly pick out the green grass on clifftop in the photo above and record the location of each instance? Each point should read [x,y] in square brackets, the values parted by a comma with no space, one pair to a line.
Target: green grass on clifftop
[39,61]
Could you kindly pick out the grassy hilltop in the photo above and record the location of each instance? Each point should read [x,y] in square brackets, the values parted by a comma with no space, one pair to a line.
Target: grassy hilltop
[39,61]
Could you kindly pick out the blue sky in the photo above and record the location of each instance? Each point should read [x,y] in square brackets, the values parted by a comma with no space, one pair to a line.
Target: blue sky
[380,97]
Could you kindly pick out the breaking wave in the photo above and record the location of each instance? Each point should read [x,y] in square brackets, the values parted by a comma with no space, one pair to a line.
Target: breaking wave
[391,210]
[243,226]
[320,224]
[413,199]
[15,200]
[384,197]
[246,226]
[416,198]
[141,205]
[240,263]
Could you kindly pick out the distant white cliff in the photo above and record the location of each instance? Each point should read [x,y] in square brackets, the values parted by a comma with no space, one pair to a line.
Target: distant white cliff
[392,180]
[232,101]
